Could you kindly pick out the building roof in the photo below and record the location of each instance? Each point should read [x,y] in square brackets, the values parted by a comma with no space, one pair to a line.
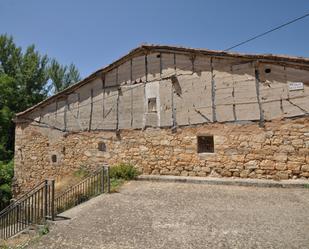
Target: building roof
[147,48]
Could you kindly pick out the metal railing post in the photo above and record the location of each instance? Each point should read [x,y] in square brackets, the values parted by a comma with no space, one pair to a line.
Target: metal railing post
[102,180]
[45,199]
[108,180]
[52,200]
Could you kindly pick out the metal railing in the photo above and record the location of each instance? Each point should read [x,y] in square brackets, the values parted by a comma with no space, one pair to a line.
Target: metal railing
[31,208]
[93,185]
[40,203]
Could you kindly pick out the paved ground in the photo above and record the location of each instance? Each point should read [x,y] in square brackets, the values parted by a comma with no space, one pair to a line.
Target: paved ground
[182,216]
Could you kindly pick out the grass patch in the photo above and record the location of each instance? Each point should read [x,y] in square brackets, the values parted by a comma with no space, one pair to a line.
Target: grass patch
[43,230]
[120,173]
[64,182]
[116,184]
[306,186]
[82,172]
[25,240]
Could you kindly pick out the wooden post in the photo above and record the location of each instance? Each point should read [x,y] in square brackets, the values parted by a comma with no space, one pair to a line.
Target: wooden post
[91,109]
[213,92]
[257,86]
[65,114]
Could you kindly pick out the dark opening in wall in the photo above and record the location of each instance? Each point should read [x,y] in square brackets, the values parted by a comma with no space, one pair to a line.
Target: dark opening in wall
[267,70]
[152,105]
[205,144]
[54,158]
[102,146]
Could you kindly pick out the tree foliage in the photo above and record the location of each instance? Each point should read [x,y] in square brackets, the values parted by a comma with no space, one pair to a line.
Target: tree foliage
[26,78]
[62,76]
[6,175]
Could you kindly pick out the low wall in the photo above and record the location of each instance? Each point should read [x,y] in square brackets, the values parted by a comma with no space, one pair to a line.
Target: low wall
[280,150]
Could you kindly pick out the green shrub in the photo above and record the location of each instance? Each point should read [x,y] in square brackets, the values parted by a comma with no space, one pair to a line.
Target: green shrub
[124,171]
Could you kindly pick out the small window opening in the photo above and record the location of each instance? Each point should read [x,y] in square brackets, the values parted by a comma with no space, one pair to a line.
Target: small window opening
[152,105]
[158,55]
[101,146]
[205,144]
[267,70]
[54,158]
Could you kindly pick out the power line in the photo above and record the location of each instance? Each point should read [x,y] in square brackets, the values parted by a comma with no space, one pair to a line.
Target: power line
[267,32]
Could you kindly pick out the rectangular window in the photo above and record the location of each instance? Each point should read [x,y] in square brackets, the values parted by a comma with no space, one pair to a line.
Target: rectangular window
[152,105]
[205,144]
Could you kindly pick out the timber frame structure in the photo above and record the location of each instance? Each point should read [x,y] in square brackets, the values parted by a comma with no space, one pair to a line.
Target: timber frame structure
[206,97]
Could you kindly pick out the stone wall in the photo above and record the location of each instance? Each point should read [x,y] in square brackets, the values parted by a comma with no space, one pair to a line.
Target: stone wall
[280,150]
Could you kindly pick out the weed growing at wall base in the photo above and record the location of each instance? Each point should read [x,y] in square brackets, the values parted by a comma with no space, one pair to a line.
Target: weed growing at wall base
[123,171]
[120,173]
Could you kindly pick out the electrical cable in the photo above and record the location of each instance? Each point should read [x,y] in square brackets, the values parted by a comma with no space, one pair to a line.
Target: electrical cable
[267,32]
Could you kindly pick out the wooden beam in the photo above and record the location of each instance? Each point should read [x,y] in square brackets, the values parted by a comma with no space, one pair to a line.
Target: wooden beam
[103,97]
[213,91]
[91,110]
[65,114]
[131,81]
[257,86]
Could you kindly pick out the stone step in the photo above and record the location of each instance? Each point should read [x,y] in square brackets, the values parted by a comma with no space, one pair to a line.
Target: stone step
[297,183]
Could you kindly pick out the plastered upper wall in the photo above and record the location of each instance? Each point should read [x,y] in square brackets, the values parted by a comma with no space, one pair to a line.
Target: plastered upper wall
[188,89]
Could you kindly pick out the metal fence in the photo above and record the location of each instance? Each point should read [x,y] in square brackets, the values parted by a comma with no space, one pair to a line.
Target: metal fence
[93,185]
[32,208]
[41,203]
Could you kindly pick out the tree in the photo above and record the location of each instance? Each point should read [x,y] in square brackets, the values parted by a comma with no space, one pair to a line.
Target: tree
[23,78]
[26,78]
[6,175]
[62,76]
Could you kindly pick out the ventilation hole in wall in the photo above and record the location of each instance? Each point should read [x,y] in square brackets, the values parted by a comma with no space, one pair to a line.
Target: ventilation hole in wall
[102,146]
[205,144]
[47,144]
[54,158]
[267,70]
[152,105]
[158,55]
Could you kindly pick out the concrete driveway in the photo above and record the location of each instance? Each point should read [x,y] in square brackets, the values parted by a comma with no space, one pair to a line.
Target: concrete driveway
[178,215]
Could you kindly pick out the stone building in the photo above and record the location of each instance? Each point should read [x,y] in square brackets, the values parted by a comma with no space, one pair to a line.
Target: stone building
[174,111]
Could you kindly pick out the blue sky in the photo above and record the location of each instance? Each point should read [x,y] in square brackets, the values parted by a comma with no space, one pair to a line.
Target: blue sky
[94,33]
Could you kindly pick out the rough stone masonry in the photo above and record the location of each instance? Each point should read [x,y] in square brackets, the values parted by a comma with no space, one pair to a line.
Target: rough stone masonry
[280,150]
[174,111]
